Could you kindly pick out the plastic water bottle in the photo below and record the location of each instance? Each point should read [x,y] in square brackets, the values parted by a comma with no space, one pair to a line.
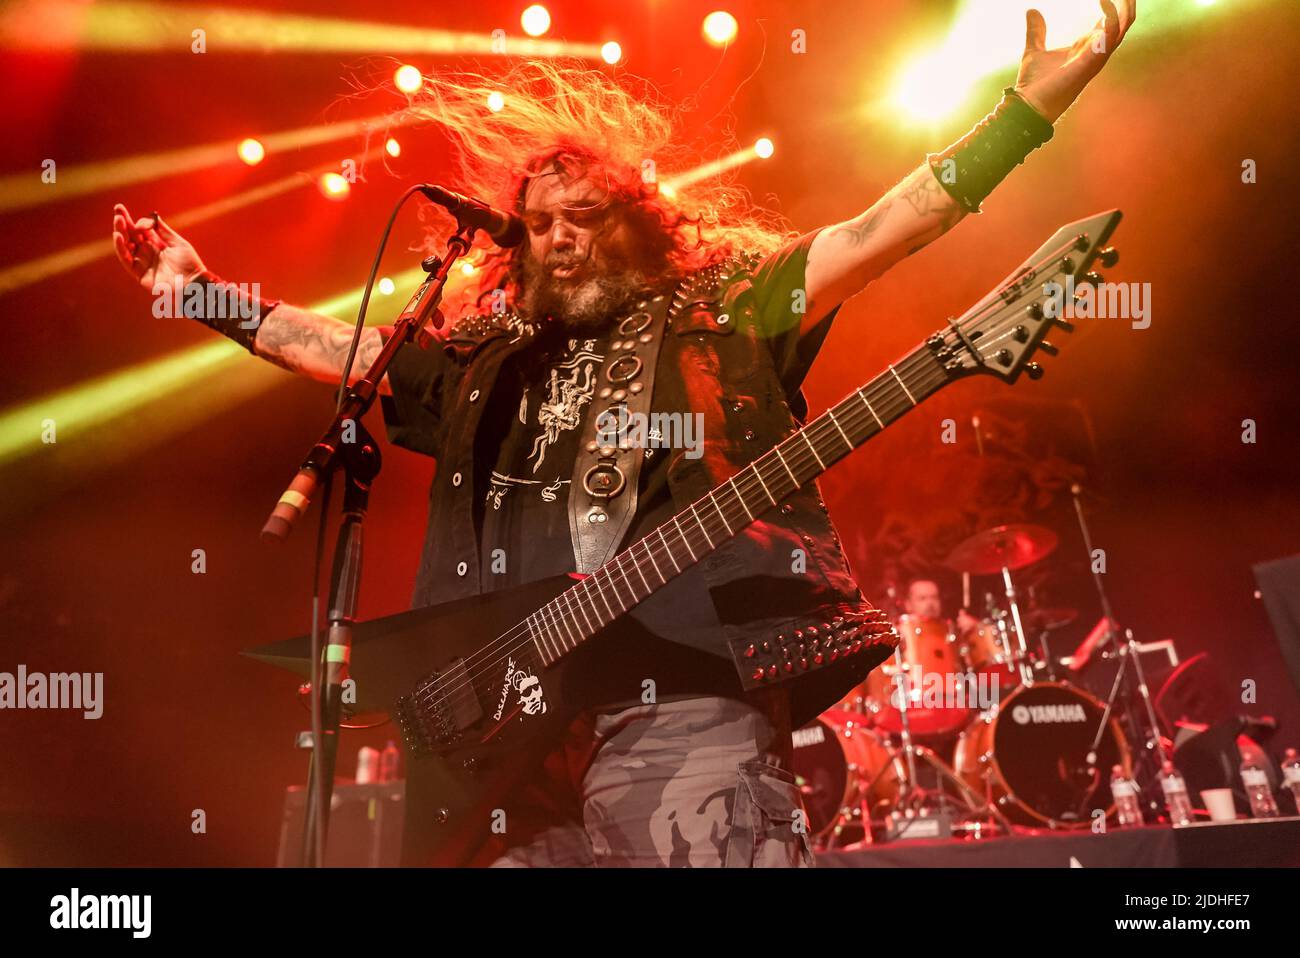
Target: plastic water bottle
[389,760]
[1176,800]
[1257,790]
[1291,774]
[1128,810]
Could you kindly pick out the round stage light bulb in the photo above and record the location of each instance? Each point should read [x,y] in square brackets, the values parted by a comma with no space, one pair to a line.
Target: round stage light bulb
[720,28]
[764,148]
[611,52]
[386,286]
[535,20]
[496,102]
[392,147]
[251,151]
[334,186]
[408,79]
[468,268]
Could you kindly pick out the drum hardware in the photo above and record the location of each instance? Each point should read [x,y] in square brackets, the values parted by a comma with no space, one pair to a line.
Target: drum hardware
[999,551]
[1129,652]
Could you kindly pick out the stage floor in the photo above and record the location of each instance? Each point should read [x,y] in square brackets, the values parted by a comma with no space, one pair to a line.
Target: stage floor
[1249,843]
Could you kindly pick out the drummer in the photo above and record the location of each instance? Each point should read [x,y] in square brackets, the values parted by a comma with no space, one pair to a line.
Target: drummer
[922,598]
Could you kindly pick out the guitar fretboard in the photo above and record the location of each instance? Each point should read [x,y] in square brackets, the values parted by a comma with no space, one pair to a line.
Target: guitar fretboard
[580,612]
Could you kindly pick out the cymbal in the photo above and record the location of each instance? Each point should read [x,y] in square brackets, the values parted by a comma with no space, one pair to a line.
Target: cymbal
[1011,547]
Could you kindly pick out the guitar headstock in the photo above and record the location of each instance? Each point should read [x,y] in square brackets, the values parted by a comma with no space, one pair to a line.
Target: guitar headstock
[1000,334]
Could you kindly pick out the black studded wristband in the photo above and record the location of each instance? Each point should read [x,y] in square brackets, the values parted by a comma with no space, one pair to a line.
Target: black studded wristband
[235,310]
[971,168]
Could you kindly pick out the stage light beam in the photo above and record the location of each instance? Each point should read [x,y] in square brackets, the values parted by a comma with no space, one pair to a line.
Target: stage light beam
[764,148]
[611,52]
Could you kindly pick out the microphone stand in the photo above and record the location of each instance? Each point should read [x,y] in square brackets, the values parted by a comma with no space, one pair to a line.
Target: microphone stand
[348,446]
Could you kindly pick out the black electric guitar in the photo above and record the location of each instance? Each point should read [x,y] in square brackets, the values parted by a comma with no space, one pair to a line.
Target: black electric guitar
[484,698]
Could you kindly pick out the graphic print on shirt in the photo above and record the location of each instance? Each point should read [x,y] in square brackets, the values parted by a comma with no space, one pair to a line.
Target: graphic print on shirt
[569,387]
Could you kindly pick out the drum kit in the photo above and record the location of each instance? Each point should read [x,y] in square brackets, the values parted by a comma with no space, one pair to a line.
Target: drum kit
[968,730]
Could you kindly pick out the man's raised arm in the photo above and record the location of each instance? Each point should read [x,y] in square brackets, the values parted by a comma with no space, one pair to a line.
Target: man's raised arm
[310,344]
[846,256]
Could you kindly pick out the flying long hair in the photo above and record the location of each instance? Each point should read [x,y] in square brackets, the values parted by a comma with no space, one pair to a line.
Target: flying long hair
[565,113]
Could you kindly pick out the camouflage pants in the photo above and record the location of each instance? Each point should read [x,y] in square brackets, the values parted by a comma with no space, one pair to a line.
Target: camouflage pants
[696,782]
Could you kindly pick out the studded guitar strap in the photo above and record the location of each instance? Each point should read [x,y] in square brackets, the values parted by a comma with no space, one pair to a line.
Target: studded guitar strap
[603,493]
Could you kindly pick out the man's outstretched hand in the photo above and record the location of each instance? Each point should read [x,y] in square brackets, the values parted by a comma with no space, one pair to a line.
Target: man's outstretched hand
[151,251]
[1050,80]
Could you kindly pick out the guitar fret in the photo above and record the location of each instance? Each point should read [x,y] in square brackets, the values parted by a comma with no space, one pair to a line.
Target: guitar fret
[812,448]
[581,608]
[759,476]
[777,450]
[847,441]
[901,383]
[700,523]
[534,623]
[564,621]
[600,589]
[636,565]
[684,540]
[744,505]
[669,550]
[870,410]
[714,500]
[550,625]
[650,552]
[614,588]
[618,564]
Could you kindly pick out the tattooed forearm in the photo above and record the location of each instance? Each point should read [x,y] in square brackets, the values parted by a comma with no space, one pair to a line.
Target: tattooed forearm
[928,197]
[858,232]
[845,257]
[313,345]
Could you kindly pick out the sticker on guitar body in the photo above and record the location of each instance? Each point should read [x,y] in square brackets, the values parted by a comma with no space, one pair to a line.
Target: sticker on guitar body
[527,685]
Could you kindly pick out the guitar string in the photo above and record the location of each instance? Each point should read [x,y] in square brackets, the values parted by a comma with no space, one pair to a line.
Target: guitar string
[803,456]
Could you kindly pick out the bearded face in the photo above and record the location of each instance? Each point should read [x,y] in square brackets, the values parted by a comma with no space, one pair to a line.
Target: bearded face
[583,262]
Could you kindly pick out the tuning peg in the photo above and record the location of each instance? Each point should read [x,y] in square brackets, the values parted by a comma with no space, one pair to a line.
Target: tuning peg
[1093,279]
[1109,256]
[1034,371]
[1048,348]
[1064,324]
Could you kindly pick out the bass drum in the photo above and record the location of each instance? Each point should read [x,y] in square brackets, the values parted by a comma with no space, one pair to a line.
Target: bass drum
[835,757]
[1030,751]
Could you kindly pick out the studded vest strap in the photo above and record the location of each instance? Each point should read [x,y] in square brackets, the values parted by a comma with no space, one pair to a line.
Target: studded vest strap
[602,495]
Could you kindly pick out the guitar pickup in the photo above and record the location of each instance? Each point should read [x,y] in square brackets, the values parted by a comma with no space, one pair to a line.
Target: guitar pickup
[436,713]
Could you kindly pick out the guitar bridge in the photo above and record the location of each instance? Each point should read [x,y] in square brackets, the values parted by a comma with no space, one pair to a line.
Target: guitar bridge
[789,655]
[435,713]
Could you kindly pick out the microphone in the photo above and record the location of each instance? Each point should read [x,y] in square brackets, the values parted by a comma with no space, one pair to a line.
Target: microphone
[506,229]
